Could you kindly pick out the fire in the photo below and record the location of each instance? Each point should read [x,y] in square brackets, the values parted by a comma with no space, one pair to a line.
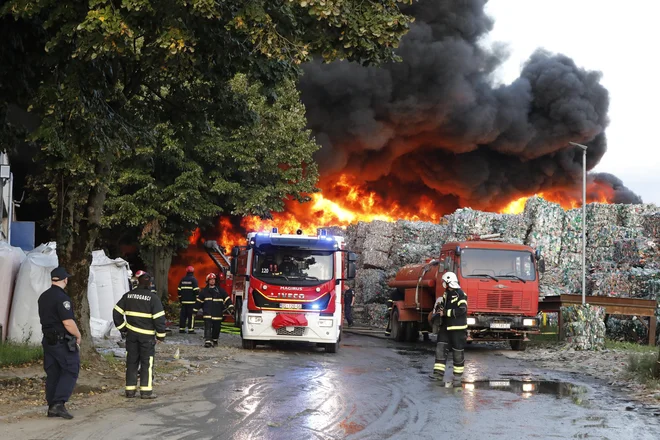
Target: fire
[343,202]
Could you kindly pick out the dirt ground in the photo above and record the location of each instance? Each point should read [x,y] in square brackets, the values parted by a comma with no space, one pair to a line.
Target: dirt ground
[22,392]
[610,366]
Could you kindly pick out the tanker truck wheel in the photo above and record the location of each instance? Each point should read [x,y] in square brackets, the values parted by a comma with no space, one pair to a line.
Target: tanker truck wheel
[412,332]
[398,333]
[331,348]
[249,344]
[518,344]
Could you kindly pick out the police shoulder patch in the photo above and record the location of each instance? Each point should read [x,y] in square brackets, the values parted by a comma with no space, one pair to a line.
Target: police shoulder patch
[67,305]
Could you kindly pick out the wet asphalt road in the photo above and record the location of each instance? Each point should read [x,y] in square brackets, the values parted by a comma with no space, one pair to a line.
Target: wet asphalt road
[371,389]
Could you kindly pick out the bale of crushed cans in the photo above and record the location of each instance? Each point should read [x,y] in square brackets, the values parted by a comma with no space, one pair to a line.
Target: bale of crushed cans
[584,326]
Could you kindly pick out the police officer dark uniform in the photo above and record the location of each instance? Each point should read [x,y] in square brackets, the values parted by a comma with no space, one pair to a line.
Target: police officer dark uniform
[213,301]
[451,309]
[139,315]
[61,344]
[188,290]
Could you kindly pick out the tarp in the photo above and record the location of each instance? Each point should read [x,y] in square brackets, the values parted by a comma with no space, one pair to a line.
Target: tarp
[33,279]
[108,281]
[10,263]
[289,320]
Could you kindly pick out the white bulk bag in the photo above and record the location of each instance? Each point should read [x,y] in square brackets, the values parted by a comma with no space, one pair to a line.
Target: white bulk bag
[10,263]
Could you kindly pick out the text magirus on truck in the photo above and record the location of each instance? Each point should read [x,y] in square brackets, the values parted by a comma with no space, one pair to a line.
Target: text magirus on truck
[501,281]
[290,287]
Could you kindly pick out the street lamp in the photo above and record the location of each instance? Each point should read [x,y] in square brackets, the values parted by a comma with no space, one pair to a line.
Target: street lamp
[5,174]
[584,218]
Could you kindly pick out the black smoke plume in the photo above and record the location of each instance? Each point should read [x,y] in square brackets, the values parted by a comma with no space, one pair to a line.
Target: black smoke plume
[438,126]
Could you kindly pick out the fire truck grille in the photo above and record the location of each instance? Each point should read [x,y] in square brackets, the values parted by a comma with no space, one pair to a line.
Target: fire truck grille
[297,331]
[503,301]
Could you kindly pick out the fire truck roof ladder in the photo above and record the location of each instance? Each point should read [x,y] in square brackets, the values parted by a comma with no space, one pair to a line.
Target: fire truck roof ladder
[217,255]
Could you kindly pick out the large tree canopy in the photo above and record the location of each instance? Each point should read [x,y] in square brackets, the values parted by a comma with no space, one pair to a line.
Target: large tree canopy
[111,80]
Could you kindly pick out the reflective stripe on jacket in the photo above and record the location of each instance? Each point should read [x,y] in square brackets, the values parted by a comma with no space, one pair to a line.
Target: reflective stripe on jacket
[140,311]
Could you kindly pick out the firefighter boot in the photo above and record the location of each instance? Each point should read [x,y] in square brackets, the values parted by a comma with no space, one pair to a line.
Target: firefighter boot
[215,342]
[459,366]
[440,360]
[147,395]
[182,330]
[130,394]
[208,344]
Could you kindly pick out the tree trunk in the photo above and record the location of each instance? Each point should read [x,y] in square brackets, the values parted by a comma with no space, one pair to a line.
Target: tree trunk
[77,233]
[158,261]
[162,263]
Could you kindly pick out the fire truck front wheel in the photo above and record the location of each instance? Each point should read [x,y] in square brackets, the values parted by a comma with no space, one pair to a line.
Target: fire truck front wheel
[331,348]
[249,344]
[518,344]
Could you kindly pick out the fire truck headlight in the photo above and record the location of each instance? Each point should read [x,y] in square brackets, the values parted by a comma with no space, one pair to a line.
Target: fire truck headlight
[255,320]
[325,322]
[471,321]
[529,322]
[315,306]
[528,387]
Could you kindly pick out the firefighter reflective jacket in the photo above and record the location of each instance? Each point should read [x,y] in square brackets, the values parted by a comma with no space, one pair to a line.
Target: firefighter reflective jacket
[140,311]
[454,302]
[188,289]
[214,301]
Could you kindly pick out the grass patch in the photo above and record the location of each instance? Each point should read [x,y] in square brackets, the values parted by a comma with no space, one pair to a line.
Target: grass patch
[12,354]
[630,346]
[641,365]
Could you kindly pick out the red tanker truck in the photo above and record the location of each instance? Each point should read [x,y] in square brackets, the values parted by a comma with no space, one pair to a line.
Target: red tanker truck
[500,279]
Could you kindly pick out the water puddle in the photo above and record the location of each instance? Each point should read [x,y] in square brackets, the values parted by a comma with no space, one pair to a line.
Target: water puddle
[530,388]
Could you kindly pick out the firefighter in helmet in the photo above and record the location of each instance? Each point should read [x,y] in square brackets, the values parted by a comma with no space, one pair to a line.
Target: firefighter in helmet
[212,302]
[140,318]
[188,290]
[449,319]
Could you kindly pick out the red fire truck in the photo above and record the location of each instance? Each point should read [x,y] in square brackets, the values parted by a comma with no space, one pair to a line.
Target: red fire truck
[500,279]
[289,287]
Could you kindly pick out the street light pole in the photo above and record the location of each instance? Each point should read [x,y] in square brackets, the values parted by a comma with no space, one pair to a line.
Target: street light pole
[584,219]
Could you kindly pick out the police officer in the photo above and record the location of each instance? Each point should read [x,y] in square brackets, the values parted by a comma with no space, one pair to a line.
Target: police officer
[61,344]
[450,319]
[213,301]
[188,290]
[140,317]
[349,301]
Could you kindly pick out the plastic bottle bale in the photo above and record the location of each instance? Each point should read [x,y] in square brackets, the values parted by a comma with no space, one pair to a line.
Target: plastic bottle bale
[644,282]
[466,222]
[512,227]
[651,225]
[546,222]
[375,260]
[632,216]
[584,326]
[371,286]
[374,315]
[612,284]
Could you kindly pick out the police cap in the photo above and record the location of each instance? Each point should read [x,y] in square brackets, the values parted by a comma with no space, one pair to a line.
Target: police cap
[59,274]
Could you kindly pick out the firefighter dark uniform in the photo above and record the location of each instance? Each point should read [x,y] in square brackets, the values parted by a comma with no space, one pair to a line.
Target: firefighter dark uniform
[188,290]
[61,355]
[213,301]
[452,332]
[140,316]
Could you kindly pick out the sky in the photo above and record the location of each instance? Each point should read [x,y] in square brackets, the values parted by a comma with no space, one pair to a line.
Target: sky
[619,39]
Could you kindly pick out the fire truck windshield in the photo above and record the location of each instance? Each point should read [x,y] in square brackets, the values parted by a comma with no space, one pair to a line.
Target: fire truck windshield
[285,265]
[497,263]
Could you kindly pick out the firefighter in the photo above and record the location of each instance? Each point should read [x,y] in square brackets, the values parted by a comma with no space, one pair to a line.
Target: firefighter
[212,303]
[188,290]
[140,317]
[449,316]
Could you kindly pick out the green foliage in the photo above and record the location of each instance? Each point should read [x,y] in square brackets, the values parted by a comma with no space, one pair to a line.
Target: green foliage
[140,101]
[12,353]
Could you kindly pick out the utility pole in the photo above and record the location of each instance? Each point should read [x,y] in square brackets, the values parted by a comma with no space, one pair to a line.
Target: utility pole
[584,219]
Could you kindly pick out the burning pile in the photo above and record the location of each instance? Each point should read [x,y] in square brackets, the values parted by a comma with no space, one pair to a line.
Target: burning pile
[623,257]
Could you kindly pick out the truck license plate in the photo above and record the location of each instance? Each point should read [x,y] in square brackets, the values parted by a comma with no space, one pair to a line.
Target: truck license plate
[504,325]
[291,306]
[499,383]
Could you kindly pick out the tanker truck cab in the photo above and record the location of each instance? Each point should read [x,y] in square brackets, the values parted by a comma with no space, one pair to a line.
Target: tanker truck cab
[293,288]
[501,281]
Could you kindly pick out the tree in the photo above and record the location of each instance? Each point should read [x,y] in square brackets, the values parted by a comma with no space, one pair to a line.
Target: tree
[164,191]
[108,77]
